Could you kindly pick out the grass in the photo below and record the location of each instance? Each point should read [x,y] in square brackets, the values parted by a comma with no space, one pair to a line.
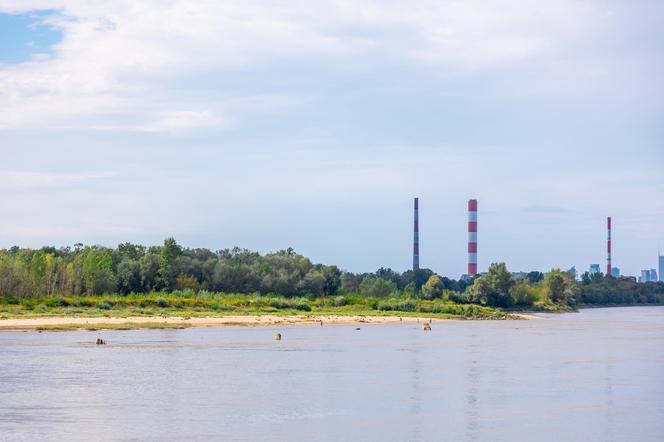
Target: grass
[108,326]
[202,304]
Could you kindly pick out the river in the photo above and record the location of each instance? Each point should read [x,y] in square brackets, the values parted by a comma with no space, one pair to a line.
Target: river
[596,375]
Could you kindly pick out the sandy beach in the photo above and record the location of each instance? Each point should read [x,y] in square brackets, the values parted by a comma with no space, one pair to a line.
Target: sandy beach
[223,321]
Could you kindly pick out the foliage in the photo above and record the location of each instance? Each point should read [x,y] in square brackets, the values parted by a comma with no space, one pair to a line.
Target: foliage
[433,288]
[560,287]
[51,278]
[524,294]
[494,288]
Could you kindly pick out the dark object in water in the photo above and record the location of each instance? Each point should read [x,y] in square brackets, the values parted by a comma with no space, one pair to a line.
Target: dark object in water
[426,327]
[357,328]
[100,341]
[277,337]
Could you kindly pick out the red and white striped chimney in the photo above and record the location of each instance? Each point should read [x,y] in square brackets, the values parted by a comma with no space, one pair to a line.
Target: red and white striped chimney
[472,237]
[608,246]
[416,237]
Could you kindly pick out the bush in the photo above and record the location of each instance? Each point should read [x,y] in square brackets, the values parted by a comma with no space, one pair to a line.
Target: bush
[400,306]
[523,294]
[406,306]
[161,302]
[304,306]
[433,288]
[83,302]
[58,301]
[297,304]
[384,306]
[459,298]
[103,305]
[340,301]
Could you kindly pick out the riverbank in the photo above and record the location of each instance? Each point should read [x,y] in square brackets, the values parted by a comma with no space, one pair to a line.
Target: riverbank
[138,322]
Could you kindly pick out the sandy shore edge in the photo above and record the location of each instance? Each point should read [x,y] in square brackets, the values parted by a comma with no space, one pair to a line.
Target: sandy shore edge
[222,321]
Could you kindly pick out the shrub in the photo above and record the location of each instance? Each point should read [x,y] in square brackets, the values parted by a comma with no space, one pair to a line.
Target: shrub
[459,298]
[58,301]
[340,301]
[384,306]
[297,304]
[161,302]
[401,306]
[406,306]
[103,305]
[303,305]
[433,288]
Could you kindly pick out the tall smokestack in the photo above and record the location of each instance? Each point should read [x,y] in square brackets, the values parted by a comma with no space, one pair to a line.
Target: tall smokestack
[416,238]
[472,237]
[608,246]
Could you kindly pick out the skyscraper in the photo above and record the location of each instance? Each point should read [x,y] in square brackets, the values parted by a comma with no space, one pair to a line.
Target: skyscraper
[648,275]
[661,266]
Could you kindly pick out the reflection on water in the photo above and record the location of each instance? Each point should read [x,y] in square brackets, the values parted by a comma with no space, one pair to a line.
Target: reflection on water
[591,376]
[472,388]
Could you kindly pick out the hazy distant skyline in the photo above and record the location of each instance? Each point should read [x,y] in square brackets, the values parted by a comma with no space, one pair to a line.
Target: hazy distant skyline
[313,125]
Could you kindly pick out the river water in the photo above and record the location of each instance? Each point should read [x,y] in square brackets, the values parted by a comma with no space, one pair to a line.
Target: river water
[597,375]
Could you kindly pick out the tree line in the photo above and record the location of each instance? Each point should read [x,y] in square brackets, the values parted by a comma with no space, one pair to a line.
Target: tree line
[132,268]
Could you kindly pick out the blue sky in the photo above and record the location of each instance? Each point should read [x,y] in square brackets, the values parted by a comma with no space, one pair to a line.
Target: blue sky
[26,36]
[312,125]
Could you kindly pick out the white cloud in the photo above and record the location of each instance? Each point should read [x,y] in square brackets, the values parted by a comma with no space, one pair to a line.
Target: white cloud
[20,180]
[116,59]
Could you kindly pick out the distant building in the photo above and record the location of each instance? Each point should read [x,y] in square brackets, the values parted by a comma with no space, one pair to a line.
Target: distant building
[661,266]
[520,275]
[466,277]
[572,272]
[648,275]
[594,268]
[615,272]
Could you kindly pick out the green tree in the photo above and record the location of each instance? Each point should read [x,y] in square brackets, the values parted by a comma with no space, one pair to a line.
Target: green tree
[523,294]
[560,287]
[168,271]
[129,276]
[377,287]
[149,267]
[535,277]
[313,283]
[480,291]
[332,276]
[98,271]
[501,282]
[433,288]
[350,283]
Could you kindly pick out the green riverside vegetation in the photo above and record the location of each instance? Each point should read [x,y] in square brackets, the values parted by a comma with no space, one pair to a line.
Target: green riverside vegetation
[169,280]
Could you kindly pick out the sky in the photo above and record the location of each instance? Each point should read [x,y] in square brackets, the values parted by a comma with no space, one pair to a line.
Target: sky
[313,124]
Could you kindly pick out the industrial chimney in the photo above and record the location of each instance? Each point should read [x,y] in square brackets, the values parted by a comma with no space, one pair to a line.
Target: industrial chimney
[416,239]
[472,237]
[608,246]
